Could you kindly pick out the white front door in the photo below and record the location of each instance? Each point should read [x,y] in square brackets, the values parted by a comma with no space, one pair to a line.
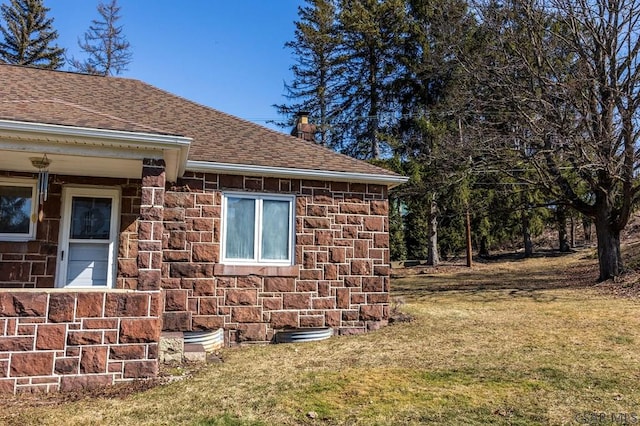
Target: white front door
[88,235]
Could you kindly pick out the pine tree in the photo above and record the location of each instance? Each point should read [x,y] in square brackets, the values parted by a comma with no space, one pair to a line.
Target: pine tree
[28,36]
[104,43]
[315,49]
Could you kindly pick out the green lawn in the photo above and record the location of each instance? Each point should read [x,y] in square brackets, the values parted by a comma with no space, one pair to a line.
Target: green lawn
[517,342]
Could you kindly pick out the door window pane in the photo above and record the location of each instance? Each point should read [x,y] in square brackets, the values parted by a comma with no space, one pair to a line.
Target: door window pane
[15,209]
[275,230]
[90,218]
[88,264]
[240,228]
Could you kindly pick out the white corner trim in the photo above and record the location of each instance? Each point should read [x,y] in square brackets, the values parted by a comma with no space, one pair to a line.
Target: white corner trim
[286,172]
[174,148]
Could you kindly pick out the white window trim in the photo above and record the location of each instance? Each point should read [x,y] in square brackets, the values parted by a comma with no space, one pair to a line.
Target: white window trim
[31,235]
[68,192]
[259,197]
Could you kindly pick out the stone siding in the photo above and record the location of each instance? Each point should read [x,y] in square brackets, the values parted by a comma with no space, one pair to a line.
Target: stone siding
[66,340]
[340,277]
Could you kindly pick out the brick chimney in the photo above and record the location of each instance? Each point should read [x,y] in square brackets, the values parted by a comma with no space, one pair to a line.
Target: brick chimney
[303,129]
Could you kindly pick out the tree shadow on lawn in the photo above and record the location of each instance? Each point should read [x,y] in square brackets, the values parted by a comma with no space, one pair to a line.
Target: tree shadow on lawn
[510,274]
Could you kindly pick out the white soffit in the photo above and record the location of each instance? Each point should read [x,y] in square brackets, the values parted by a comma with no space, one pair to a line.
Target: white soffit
[90,152]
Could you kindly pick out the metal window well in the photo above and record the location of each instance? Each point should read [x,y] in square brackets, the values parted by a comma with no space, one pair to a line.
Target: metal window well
[210,340]
[301,335]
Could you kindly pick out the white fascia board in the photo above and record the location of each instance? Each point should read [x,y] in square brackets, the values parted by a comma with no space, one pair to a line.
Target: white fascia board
[285,172]
[174,149]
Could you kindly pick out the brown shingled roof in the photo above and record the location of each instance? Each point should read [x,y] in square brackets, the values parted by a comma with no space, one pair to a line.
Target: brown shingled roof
[113,103]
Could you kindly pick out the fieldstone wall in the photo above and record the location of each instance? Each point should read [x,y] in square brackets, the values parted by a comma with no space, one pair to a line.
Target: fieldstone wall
[340,277]
[65,340]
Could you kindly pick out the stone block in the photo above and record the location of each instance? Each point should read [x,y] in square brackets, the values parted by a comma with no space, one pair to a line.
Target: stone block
[252,332]
[61,307]
[207,322]
[83,337]
[127,268]
[246,314]
[51,337]
[16,344]
[343,298]
[66,366]
[139,330]
[381,240]
[31,364]
[311,321]
[237,297]
[208,306]
[204,287]
[171,347]
[324,303]
[204,252]
[149,279]
[296,301]
[372,284]
[90,305]
[176,321]
[360,267]
[332,318]
[100,323]
[371,313]
[175,300]
[353,208]
[272,303]
[85,382]
[251,281]
[279,285]
[380,208]
[337,254]
[191,270]
[317,223]
[128,352]
[23,304]
[93,360]
[285,319]
[127,305]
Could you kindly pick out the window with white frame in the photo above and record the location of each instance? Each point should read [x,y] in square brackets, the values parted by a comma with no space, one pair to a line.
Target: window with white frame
[257,228]
[17,209]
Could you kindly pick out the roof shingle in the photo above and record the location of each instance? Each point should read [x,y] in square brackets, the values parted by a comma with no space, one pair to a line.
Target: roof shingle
[114,103]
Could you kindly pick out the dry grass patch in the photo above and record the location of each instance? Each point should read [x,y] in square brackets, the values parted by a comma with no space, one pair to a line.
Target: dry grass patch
[508,343]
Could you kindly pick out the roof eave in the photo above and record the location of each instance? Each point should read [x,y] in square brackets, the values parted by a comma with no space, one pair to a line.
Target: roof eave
[286,172]
[173,149]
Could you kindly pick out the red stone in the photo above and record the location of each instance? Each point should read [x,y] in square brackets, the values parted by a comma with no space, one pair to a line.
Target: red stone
[246,314]
[139,330]
[178,199]
[121,352]
[372,284]
[311,321]
[358,299]
[175,300]
[360,267]
[149,280]
[90,305]
[236,297]
[100,323]
[66,366]
[317,223]
[93,359]
[380,208]
[16,344]
[7,386]
[252,332]
[330,272]
[272,303]
[381,240]
[251,281]
[371,312]
[311,274]
[204,252]
[278,284]
[31,364]
[343,298]
[324,238]
[176,321]
[51,337]
[284,319]
[378,298]
[84,382]
[351,208]
[61,306]
[204,287]
[324,303]
[296,301]
[80,338]
[140,369]
[349,315]
[337,255]
[208,306]
[374,223]
[332,318]
[127,305]
[307,285]
[191,270]
[207,322]
[23,304]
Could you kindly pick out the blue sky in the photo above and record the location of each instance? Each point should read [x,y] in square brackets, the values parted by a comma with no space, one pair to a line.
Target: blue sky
[228,55]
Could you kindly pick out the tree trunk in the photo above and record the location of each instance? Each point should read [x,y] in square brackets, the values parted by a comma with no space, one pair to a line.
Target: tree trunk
[432,249]
[484,247]
[609,258]
[586,227]
[526,234]
[573,232]
[561,218]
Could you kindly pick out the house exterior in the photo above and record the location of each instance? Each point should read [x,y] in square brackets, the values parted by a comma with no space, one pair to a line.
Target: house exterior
[159,215]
